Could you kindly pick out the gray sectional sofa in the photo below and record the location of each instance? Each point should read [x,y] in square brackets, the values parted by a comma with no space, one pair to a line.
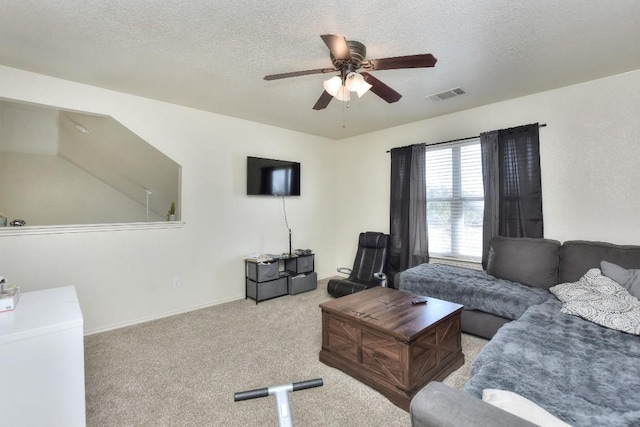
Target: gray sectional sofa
[578,371]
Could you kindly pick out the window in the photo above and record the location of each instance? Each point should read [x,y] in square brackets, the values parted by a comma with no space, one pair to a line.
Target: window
[455,200]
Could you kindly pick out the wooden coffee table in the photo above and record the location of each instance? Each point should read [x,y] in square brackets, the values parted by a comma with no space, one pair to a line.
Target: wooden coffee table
[380,338]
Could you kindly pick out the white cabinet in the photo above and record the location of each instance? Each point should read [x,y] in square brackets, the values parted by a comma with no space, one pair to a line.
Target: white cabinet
[42,360]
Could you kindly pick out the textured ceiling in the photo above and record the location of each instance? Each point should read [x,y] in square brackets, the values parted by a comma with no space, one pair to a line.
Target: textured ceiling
[212,55]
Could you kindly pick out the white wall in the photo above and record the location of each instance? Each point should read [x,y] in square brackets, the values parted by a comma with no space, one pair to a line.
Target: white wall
[60,193]
[126,276]
[589,153]
[24,129]
[589,158]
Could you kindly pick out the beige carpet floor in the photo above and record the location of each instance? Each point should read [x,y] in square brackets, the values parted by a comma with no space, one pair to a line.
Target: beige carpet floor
[183,370]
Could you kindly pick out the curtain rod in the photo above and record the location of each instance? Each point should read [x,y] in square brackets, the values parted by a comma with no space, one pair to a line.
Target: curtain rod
[542,125]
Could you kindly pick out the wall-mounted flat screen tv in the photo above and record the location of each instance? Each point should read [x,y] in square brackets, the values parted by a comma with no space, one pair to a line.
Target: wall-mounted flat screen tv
[270,177]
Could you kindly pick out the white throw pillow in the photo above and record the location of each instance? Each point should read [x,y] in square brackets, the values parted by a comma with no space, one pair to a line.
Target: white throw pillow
[521,407]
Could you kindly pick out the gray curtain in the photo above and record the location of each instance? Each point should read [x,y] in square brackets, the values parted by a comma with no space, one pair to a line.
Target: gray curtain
[408,210]
[512,184]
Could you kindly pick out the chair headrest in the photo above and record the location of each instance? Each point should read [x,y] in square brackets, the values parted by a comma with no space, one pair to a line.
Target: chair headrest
[372,239]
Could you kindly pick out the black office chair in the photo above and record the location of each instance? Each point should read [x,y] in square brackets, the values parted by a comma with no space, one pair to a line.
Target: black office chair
[367,271]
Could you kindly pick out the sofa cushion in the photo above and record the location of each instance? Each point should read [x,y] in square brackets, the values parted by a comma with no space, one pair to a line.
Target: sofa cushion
[628,278]
[532,262]
[579,256]
[474,289]
[578,371]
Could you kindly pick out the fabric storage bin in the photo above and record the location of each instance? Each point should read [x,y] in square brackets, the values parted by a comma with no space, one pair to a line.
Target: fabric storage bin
[300,264]
[262,272]
[261,291]
[303,283]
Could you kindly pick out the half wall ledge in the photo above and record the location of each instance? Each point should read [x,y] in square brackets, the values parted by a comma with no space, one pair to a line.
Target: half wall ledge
[88,228]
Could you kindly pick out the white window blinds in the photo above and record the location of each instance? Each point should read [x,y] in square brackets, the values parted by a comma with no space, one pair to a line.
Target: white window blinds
[455,200]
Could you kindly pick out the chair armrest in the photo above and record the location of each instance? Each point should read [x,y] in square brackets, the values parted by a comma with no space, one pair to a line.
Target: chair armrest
[438,405]
[344,270]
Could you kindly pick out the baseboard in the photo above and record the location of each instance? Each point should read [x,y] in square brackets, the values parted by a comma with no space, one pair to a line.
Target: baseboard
[159,316]
[168,314]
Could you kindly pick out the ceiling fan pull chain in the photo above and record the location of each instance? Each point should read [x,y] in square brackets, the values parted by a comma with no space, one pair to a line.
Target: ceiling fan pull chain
[344,114]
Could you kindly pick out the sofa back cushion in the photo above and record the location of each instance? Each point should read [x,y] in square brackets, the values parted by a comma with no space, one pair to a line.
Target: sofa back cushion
[579,256]
[532,262]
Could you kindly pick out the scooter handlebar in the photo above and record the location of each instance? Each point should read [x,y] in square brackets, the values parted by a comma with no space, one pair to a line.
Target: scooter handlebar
[263,392]
[307,384]
[251,394]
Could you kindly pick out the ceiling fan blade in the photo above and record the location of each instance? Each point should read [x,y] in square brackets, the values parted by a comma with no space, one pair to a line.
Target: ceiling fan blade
[381,89]
[299,73]
[410,61]
[337,45]
[323,101]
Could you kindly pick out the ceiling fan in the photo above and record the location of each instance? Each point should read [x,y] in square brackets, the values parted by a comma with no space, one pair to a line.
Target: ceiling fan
[348,58]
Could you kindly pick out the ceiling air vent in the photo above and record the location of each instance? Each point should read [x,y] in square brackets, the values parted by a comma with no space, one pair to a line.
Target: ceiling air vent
[445,94]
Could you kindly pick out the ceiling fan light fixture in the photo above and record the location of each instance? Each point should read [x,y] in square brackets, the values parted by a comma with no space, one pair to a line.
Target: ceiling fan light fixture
[342,94]
[332,85]
[335,88]
[364,88]
[355,83]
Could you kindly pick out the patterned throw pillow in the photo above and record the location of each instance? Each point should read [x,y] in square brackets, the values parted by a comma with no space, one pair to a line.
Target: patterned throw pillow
[600,300]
